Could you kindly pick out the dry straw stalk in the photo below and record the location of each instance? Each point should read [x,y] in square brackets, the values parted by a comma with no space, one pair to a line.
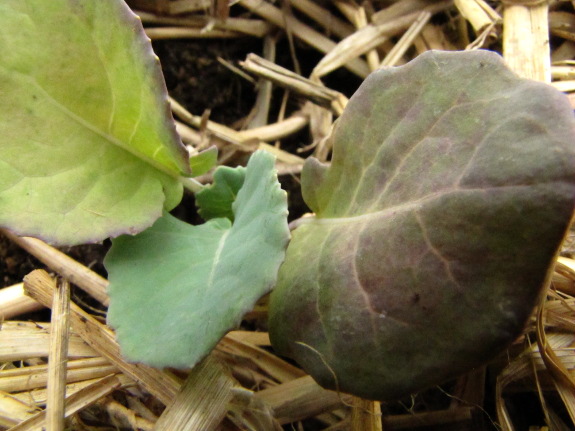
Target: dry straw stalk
[13,302]
[36,376]
[526,39]
[74,402]
[285,78]
[162,385]
[76,273]
[59,334]
[370,37]
[24,340]
[302,31]
[478,13]
[331,23]
[365,415]
[202,401]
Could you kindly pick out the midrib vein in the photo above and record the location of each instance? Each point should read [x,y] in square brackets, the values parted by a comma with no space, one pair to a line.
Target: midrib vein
[414,204]
[110,138]
[216,261]
[391,211]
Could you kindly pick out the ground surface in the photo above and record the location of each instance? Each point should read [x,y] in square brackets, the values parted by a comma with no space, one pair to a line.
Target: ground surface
[197,78]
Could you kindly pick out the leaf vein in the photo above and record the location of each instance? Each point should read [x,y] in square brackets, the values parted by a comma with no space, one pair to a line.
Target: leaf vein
[434,250]
[138,122]
[363,291]
[217,257]
[319,285]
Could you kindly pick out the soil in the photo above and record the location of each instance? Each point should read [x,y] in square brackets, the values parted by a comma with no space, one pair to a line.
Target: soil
[198,81]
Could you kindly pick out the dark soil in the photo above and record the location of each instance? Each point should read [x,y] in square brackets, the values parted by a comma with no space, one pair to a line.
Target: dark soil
[15,263]
[197,80]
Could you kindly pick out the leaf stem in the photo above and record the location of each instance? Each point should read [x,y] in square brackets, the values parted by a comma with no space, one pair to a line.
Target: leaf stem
[191,184]
[306,218]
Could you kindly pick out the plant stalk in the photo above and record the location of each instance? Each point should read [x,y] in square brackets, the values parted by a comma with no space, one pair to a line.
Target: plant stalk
[191,184]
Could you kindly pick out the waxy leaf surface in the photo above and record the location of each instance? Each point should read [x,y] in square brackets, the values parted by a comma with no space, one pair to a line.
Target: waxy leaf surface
[216,200]
[176,289]
[88,148]
[451,186]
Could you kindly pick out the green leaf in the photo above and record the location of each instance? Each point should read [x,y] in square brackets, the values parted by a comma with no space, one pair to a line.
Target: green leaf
[216,200]
[451,186]
[204,161]
[88,148]
[176,289]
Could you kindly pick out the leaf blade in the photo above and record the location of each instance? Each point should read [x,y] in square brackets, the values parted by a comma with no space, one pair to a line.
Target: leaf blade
[435,226]
[196,282]
[216,200]
[63,107]
[202,162]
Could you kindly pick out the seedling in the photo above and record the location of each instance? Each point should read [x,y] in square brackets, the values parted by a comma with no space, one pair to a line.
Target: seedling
[451,185]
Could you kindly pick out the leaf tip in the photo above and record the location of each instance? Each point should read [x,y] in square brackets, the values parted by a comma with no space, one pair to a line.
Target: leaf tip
[312,177]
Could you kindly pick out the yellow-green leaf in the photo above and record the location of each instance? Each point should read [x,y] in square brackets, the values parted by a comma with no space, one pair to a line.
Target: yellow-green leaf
[88,148]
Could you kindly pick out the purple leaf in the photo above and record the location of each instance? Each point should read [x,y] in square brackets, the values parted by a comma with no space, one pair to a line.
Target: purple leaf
[451,186]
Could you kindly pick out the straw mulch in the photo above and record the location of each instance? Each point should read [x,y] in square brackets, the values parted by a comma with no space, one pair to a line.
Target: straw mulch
[71,368]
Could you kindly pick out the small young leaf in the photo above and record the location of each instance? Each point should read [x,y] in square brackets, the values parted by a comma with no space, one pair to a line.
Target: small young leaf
[88,148]
[176,289]
[216,199]
[204,161]
[451,186]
